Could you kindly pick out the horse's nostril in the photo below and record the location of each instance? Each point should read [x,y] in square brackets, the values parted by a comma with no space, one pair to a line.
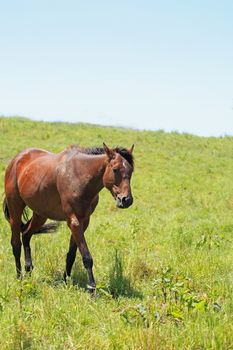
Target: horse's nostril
[124,200]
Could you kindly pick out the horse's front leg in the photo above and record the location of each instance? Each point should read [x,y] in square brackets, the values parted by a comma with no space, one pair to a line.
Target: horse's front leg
[77,228]
[71,255]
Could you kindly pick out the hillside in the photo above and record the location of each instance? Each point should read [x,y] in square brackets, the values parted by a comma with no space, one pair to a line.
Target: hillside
[163,267]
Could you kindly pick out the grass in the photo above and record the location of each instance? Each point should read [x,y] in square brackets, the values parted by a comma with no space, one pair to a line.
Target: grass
[163,267]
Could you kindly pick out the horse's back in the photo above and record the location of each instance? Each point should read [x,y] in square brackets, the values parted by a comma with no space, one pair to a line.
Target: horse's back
[20,161]
[35,169]
[19,164]
[29,158]
[32,176]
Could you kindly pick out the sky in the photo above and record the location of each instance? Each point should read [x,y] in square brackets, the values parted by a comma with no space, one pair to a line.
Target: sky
[142,64]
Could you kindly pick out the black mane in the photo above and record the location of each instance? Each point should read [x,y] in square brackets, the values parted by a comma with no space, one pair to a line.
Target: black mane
[100,150]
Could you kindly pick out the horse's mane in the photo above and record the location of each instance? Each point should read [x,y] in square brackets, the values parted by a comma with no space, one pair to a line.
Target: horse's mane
[100,150]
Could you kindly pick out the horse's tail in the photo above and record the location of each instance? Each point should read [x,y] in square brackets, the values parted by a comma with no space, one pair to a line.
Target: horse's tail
[6,210]
[51,227]
[46,228]
[7,213]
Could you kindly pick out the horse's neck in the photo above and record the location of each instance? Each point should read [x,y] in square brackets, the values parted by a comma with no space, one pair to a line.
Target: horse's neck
[95,166]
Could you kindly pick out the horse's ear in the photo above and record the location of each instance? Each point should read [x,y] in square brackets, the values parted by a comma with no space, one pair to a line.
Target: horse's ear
[108,151]
[130,150]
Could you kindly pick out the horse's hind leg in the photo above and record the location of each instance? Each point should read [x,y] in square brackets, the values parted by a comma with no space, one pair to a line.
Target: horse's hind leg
[16,245]
[70,257]
[15,213]
[35,224]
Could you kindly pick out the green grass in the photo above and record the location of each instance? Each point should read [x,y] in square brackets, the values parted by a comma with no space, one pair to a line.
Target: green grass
[164,267]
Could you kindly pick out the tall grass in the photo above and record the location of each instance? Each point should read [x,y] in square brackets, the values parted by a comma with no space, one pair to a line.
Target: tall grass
[163,267]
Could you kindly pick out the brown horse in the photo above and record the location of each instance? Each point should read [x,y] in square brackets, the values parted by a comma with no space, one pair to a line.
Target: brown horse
[63,187]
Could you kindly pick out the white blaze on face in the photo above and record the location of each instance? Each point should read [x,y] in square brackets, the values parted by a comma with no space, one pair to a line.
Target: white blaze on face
[124,164]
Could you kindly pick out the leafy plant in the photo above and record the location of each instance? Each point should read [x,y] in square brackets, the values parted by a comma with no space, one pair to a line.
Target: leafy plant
[178,293]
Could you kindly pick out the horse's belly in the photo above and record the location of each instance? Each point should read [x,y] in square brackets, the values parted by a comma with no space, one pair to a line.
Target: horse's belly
[46,209]
[48,212]
[46,204]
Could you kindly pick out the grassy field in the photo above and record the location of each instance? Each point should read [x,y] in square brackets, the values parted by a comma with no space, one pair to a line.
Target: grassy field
[164,267]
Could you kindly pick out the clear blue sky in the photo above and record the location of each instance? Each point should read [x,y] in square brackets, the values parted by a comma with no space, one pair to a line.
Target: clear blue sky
[145,64]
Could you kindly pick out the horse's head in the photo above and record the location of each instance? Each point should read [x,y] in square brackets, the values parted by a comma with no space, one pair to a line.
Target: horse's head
[118,173]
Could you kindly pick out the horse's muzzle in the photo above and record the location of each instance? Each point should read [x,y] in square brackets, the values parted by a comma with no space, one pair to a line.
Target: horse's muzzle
[124,201]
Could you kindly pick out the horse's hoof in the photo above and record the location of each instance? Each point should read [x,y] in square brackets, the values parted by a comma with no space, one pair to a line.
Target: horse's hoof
[91,288]
[28,269]
[19,276]
[65,277]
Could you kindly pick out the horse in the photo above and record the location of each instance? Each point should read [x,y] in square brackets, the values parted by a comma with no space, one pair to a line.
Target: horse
[63,187]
